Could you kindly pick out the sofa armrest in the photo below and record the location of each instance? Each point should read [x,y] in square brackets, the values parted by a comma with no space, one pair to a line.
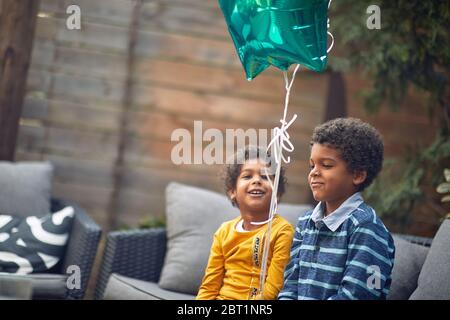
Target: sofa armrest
[82,245]
[423,241]
[138,254]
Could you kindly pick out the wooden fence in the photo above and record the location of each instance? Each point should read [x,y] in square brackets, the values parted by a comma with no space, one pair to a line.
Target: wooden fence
[184,68]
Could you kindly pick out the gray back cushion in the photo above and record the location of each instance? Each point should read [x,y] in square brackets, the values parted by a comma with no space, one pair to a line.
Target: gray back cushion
[409,258]
[193,215]
[434,278]
[25,188]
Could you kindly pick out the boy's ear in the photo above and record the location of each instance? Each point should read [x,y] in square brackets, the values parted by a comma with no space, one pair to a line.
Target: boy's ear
[359,176]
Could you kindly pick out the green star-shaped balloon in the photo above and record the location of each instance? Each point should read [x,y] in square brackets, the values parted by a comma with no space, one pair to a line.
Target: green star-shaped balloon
[278,33]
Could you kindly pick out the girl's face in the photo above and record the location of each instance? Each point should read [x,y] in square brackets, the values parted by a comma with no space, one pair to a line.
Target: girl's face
[253,192]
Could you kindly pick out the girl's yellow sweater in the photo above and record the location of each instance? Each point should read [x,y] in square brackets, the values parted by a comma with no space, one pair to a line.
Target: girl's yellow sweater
[234,263]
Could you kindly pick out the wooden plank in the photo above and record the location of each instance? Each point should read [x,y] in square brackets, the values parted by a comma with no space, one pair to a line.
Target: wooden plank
[96,35]
[186,48]
[205,78]
[38,81]
[61,113]
[192,3]
[47,28]
[81,116]
[176,18]
[68,141]
[89,145]
[35,107]
[85,195]
[43,52]
[81,171]
[226,108]
[79,89]
[115,12]
[81,61]
[90,63]
[31,138]
[93,35]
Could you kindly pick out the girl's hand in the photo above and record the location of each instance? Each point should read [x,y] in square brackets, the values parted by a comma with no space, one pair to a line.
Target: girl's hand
[259,296]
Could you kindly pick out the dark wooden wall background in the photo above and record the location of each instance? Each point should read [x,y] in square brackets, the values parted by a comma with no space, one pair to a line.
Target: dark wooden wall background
[82,84]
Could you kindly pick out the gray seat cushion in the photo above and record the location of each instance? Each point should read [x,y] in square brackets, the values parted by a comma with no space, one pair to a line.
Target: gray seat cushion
[124,288]
[44,286]
[409,258]
[25,188]
[193,215]
[434,278]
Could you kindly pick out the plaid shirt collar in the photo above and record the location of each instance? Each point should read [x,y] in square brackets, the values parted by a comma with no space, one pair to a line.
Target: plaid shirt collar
[338,216]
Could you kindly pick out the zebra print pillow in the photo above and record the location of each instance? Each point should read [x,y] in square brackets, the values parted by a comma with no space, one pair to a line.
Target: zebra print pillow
[32,244]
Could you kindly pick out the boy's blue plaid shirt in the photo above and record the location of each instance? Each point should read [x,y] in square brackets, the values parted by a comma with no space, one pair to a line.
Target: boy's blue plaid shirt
[346,255]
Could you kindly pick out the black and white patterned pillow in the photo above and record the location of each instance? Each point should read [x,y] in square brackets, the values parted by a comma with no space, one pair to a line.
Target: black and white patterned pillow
[32,244]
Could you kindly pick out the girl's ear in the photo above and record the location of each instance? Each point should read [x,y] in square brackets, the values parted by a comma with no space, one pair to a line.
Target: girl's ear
[359,176]
[232,196]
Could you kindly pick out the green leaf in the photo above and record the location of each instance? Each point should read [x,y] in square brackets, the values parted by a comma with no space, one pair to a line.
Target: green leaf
[447,175]
[443,188]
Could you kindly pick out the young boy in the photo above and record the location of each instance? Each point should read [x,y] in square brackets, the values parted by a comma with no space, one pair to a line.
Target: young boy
[233,270]
[341,250]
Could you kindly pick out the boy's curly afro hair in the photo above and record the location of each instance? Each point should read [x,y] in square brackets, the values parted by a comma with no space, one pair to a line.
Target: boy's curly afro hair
[233,168]
[360,145]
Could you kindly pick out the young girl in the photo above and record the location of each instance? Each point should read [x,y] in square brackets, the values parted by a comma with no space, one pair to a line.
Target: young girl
[234,265]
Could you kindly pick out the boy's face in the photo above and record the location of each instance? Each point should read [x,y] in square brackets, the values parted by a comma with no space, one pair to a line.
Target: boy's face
[329,179]
[253,192]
